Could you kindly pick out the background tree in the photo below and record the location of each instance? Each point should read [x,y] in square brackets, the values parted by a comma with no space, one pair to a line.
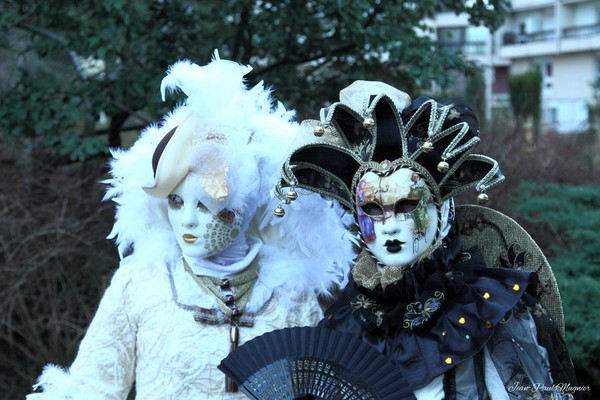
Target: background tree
[475,93]
[594,110]
[68,62]
[526,102]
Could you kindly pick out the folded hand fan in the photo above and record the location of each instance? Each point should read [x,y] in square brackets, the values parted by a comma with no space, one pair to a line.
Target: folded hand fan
[313,363]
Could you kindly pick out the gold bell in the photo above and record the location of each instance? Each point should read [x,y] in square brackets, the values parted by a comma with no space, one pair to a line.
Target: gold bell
[319,131]
[482,198]
[427,147]
[279,211]
[443,167]
[369,122]
[291,195]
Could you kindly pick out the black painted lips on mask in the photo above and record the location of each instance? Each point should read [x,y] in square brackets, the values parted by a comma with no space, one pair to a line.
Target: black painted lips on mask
[393,246]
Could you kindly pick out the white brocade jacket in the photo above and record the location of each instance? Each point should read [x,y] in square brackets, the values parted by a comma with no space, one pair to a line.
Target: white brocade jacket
[142,337]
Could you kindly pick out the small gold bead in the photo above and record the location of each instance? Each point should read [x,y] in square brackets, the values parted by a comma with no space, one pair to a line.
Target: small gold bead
[462,321]
[279,212]
[292,194]
[486,295]
[488,324]
[448,360]
[319,131]
[427,147]
[443,167]
[516,287]
[482,198]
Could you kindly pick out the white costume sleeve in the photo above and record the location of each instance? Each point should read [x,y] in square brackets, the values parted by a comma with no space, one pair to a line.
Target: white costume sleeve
[105,363]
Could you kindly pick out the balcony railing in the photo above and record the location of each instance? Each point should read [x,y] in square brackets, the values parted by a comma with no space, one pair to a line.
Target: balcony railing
[540,36]
[581,31]
[467,48]
[519,38]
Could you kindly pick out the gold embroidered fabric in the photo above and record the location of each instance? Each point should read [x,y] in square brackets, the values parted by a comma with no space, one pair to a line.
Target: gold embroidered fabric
[368,275]
[241,285]
[417,313]
[362,301]
[504,243]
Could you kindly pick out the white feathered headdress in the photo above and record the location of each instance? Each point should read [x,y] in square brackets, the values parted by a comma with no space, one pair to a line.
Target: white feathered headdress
[234,140]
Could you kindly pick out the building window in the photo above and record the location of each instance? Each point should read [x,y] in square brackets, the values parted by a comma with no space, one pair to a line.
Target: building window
[547,70]
[550,115]
[451,35]
[462,40]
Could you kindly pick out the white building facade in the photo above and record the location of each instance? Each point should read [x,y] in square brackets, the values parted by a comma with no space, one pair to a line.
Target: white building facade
[561,38]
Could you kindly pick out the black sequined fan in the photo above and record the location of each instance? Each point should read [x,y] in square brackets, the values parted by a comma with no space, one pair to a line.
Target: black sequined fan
[313,363]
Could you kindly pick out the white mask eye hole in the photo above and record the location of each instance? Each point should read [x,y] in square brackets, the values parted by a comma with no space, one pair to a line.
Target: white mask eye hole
[175,201]
[372,209]
[405,206]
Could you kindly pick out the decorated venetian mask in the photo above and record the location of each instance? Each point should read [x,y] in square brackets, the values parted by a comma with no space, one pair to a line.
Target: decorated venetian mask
[199,232]
[396,215]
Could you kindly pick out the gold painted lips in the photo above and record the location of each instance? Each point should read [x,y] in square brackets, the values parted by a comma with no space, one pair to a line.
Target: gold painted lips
[189,239]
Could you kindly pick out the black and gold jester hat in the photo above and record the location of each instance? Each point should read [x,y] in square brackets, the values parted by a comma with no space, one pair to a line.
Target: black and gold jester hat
[375,127]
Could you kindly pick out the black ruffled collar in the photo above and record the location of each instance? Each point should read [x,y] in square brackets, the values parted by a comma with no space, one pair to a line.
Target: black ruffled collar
[436,316]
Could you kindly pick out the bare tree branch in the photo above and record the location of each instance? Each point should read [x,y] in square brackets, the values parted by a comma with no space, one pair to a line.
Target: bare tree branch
[288,60]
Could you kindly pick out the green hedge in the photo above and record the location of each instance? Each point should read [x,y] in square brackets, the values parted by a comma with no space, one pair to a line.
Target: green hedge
[572,216]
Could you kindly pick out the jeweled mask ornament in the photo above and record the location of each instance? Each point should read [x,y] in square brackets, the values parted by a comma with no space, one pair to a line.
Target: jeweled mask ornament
[397,216]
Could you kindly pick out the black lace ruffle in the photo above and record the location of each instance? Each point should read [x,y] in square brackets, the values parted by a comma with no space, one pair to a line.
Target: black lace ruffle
[439,314]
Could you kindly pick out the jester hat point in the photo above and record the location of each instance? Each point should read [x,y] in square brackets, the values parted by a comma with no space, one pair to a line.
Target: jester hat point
[375,127]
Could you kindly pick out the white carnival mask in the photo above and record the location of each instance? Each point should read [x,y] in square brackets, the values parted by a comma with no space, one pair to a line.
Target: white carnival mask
[396,215]
[199,232]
